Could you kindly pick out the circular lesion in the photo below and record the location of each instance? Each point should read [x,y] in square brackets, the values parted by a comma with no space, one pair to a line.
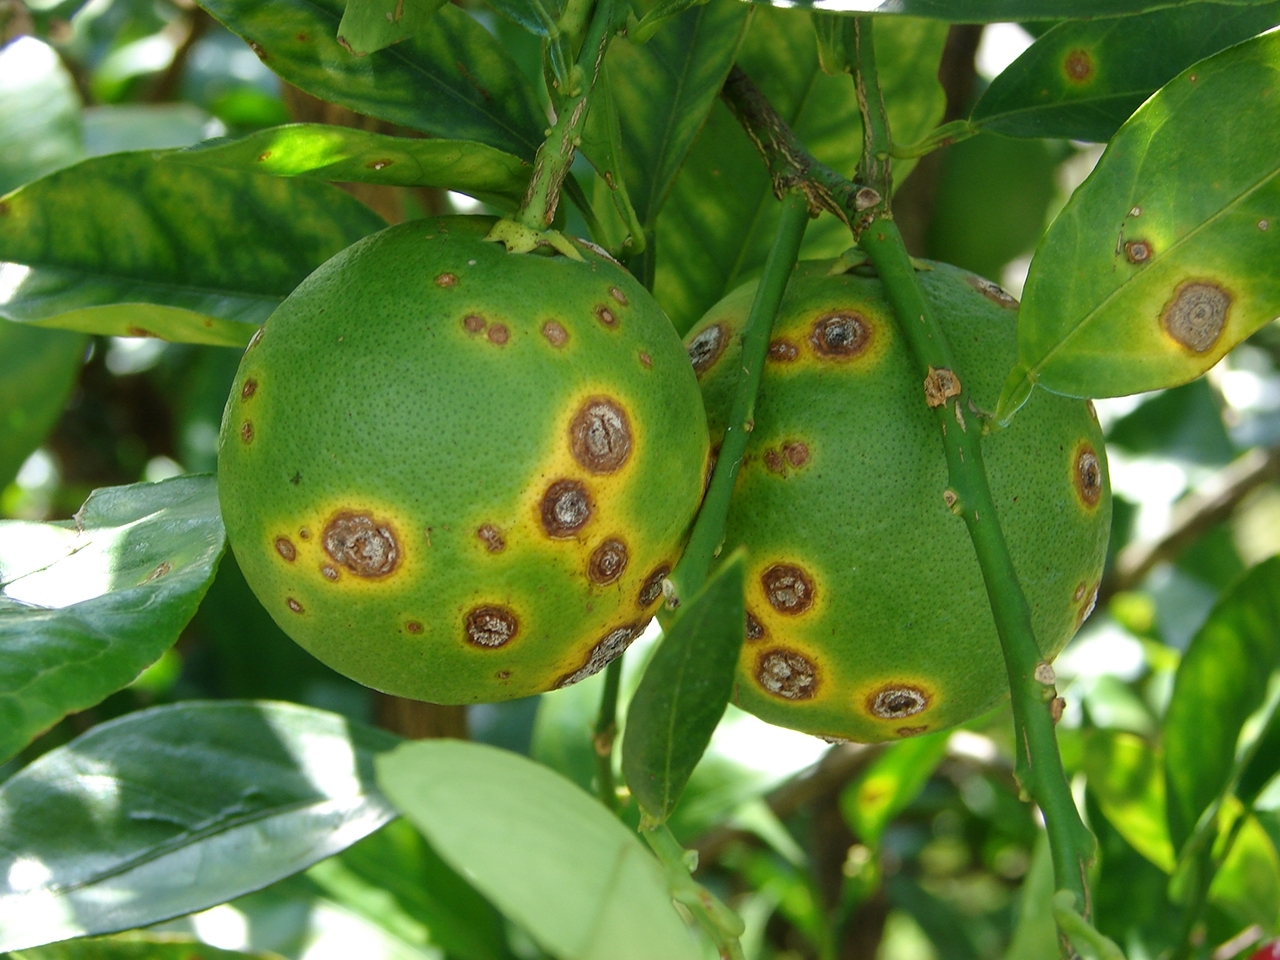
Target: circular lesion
[1197,315]
[491,626]
[789,588]
[651,589]
[607,562]
[1087,474]
[787,673]
[841,335]
[897,701]
[705,349]
[363,544]
[565,509]
[600,435]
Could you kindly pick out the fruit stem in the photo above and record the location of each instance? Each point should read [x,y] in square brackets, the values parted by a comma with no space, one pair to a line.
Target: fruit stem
[1038,763]
[720,923]
[605,733]
[555,156]
[708,530]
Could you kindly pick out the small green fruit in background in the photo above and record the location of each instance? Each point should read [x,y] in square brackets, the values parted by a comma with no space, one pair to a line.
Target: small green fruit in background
[458,474]
[867,617]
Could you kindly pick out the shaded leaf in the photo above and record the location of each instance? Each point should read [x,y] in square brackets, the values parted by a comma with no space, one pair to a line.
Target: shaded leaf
[717,230]
[684,692]
[890,784]
[1163,259]
[171,810]
[37,371]
[39,113]
[991,11]
[602,145]
[548,855]
[137,946]
[133,245]
[87,605]
[1247,885]
[1083,78]
[1126,776]
[320,151]
[369,25]
[1221,680]
[452,79]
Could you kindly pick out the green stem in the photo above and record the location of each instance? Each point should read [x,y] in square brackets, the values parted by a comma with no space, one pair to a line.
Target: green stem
[720,923]
[1039,765]
[605,732]
[708,530]
[555,156]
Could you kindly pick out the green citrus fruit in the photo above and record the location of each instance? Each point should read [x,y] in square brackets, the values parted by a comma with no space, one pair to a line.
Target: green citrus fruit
[458,474]
[867,614]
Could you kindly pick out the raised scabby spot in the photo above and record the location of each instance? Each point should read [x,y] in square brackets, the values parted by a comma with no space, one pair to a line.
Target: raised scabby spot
[365,546]
[1078,65]
[613,645]
[897,702]
[286,549]
[787,674]
[474,323]
[413,626]
[782,351]
[555,333]
[788,588]
[446,280]
[993,292]
[840,336]
[618,295]
[755,629]
[606,316]
[796,452]
[491,626]
[1087,475]
[607,563]
[651,589]
[705,349]
[1197,315]
[294,605]
[566,508]
[600,435]
[1137,251]
[246,432]
[498,334]
[249,389]
[492,538]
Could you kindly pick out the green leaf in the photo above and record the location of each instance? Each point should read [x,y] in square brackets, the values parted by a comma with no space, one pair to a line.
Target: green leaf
[174,809]
[369,25]
[320,151]
[1083,78]
[549,856]
[1247,885]
[1221,680]
[890,784]
[717,230]
[662,91]
[395,879]
[992,11]
[602,145]
[137,946]
[684,692]
[37,370]
[133,245]
[39,113]
[87,604]
[453,79]
[1126,776]
[1035,935]
[117,127]
[1164,259]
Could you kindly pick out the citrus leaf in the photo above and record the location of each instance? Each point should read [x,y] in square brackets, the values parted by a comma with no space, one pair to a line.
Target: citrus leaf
[1083,78]
[1126,776]
[174,809]
[369,25]
[1247,885]
[452,79]
[134,245]
[87,605]
[37,371]
[717,230]
[320,151]
[1221,680]
[890,784]
[993,11]
[1164,259]
[137,946]
[684,692]
[39,113]
[548,855]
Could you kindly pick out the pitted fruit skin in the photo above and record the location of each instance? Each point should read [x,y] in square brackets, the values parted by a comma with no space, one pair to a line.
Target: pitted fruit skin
[867,617]
[451,473]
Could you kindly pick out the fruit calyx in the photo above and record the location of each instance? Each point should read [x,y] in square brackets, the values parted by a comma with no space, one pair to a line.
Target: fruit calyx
[518,238]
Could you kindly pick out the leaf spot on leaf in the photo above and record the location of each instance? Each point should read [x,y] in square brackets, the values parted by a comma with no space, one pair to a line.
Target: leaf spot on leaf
[1197,315]
[1079,66]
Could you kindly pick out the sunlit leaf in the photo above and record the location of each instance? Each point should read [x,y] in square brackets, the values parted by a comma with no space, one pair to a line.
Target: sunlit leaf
[39,113]
[890,784]
[549,856]
[135,245]
[1126,776]
[87,605]
[369,25]
[174,809]
[1164,259]
[1083,78]
[990,11]
[1247,885]
[136,946]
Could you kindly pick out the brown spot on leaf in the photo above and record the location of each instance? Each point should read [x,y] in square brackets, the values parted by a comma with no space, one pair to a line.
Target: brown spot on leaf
[163,570]
[446,280]
[651,589]
[788,588]
[284,547]
[787,674]
[566,508]
[246,432]
[492,538]
[940,385]
[897,702]
[555,333]
[607,562]
[1087,475]
[498,334]
[491,626]
[379,164]
[365,546]
[705,349]
[840,336]
[473,323]
[783,351]
[1197,315]
[1078,65]
[600,436]
[249,389]
[755,629]
[1137,251]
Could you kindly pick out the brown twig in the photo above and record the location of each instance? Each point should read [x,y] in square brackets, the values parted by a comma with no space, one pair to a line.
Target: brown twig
[1194,515]
[167,84]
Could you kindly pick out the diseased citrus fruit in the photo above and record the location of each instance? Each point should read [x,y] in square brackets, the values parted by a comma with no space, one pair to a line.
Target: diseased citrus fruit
[458,474]
[867,618]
